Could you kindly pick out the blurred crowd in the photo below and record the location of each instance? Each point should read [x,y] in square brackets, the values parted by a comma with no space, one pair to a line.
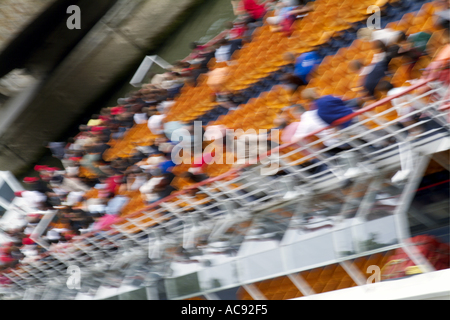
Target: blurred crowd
[63,193]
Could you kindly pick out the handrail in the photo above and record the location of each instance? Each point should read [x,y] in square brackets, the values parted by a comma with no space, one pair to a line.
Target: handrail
[237,169]
[209,43]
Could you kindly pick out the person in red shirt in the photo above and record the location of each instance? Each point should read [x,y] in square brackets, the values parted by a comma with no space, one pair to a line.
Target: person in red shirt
[255,10]
[113,183]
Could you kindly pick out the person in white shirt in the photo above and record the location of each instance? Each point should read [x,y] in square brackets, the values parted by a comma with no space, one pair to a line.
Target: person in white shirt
[155,124]
[381,40]
[158,79]
[404,104]
[226,49]
[148,189]
[140,118]
[282,9]
[388,36]
[73,183]
[33,198]
[309,123]
[138,181]
[164,106]
[223,53]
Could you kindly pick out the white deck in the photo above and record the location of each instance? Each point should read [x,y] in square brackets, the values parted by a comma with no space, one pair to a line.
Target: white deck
[429,286]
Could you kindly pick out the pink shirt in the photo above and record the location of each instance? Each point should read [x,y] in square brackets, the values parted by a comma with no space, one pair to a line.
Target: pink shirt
[206,158]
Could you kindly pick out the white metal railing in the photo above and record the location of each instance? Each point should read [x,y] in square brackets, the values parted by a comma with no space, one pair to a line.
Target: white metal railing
[238,195]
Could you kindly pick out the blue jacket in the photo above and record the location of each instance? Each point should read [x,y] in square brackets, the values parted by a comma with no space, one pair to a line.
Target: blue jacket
[330,109]
[305,64]
[165,166]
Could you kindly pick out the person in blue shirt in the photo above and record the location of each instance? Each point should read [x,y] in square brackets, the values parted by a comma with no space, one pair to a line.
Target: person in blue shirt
[329,108]
[166,166]
[57,149]
[305,65]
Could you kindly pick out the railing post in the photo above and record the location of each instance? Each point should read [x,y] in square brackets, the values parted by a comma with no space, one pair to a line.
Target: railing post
[301,284]
[401,218]
[254,292]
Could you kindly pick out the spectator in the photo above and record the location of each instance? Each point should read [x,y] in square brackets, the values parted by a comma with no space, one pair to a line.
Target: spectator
[206,55]
[135,179]
[57,149]
[439,66]
[79,220]
[73,183]
[115,204]
[403,104]
[34,199]
[370,80]
[164,107]
[155,122]
[217,79]
[92,161]
[198,170]
[417,45]
[379,55]
[386,35]
[305,65]
[37,184]
[283,8]
[95,121]
[252,8]
[150,188]
[226,49]
[291,82]
[310,122]
[140,116]
[329,108]
[236,30]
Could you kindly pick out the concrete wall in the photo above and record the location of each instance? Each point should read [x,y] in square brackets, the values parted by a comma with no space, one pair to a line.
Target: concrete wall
[16,14]
[120,41]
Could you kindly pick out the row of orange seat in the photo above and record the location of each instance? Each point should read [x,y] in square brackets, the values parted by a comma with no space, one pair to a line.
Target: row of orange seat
[138,135]
[192,102]
[265,53]
[331,77]
[320,280]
